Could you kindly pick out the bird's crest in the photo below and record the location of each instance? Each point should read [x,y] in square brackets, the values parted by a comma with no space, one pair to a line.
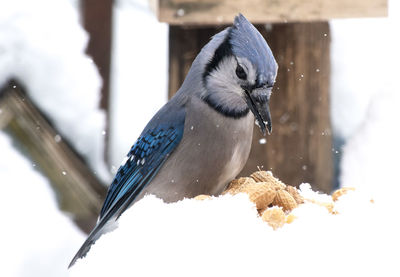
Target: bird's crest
[246,41]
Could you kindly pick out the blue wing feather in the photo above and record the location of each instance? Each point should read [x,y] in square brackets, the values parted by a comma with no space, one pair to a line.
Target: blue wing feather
[146,157]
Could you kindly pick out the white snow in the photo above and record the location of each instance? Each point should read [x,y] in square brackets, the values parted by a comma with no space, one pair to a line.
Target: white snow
[225,237]
[42,45]
[365,101]
[35,238]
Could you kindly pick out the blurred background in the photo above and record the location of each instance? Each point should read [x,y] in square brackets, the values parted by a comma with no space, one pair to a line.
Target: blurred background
[79,80]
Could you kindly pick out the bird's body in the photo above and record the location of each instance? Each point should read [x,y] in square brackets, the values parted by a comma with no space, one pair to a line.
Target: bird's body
[182,175]
[201,138]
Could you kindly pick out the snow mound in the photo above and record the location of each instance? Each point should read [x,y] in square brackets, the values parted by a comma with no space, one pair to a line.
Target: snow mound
[224,236]
[36,240]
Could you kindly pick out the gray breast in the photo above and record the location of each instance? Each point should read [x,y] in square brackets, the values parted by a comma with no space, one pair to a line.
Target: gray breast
[214,149]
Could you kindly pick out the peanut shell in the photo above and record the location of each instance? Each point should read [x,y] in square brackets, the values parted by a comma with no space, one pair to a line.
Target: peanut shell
[259,194]
[266,176]
[285,200]
[235,184]
[330,206]
[342,191]
[295,194]
[202,197]
[272,185]
[290,218]
[275,217]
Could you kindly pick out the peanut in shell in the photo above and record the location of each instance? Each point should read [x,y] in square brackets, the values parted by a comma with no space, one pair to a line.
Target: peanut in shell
[266,176]
[260,194]
[275,217]
[295,194]
[342,191]
[235,184]
[285,200]
[202,197]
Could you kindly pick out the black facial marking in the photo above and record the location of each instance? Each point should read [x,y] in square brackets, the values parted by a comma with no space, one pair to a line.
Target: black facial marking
[226,111]
[224,50]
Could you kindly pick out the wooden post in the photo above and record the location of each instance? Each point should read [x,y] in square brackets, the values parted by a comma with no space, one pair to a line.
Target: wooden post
[217,12]
[300,146]
[184,45]
[299,149]
[97,20]
[77,189]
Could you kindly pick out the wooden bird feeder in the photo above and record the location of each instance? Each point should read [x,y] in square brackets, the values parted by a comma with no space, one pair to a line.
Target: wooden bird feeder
[300,147]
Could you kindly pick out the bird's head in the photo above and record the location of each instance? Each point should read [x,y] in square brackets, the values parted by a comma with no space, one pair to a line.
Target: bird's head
[240,73]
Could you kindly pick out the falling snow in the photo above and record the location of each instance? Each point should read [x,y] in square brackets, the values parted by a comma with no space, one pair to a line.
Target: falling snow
[262,141]
[57,138]
[371,136]
[180,12]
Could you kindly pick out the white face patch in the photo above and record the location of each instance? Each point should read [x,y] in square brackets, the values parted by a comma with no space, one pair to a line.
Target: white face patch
[249,69]
[223,78]
[224,88]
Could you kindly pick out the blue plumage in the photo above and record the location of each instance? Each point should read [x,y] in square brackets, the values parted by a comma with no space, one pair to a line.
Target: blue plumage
[158,140]
[145,157]
[247,42]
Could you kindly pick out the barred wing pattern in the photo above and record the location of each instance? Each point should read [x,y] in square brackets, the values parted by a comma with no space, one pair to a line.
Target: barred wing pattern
[143,161]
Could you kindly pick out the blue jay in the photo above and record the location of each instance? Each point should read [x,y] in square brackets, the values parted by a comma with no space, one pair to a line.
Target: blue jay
[200,140]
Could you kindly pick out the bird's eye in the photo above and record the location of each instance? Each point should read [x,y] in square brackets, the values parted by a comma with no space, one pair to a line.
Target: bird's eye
[240,72]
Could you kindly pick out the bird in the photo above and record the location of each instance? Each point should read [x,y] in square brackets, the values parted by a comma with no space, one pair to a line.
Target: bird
[201,138]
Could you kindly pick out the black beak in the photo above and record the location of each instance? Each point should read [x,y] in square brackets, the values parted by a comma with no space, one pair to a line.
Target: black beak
[258,102]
